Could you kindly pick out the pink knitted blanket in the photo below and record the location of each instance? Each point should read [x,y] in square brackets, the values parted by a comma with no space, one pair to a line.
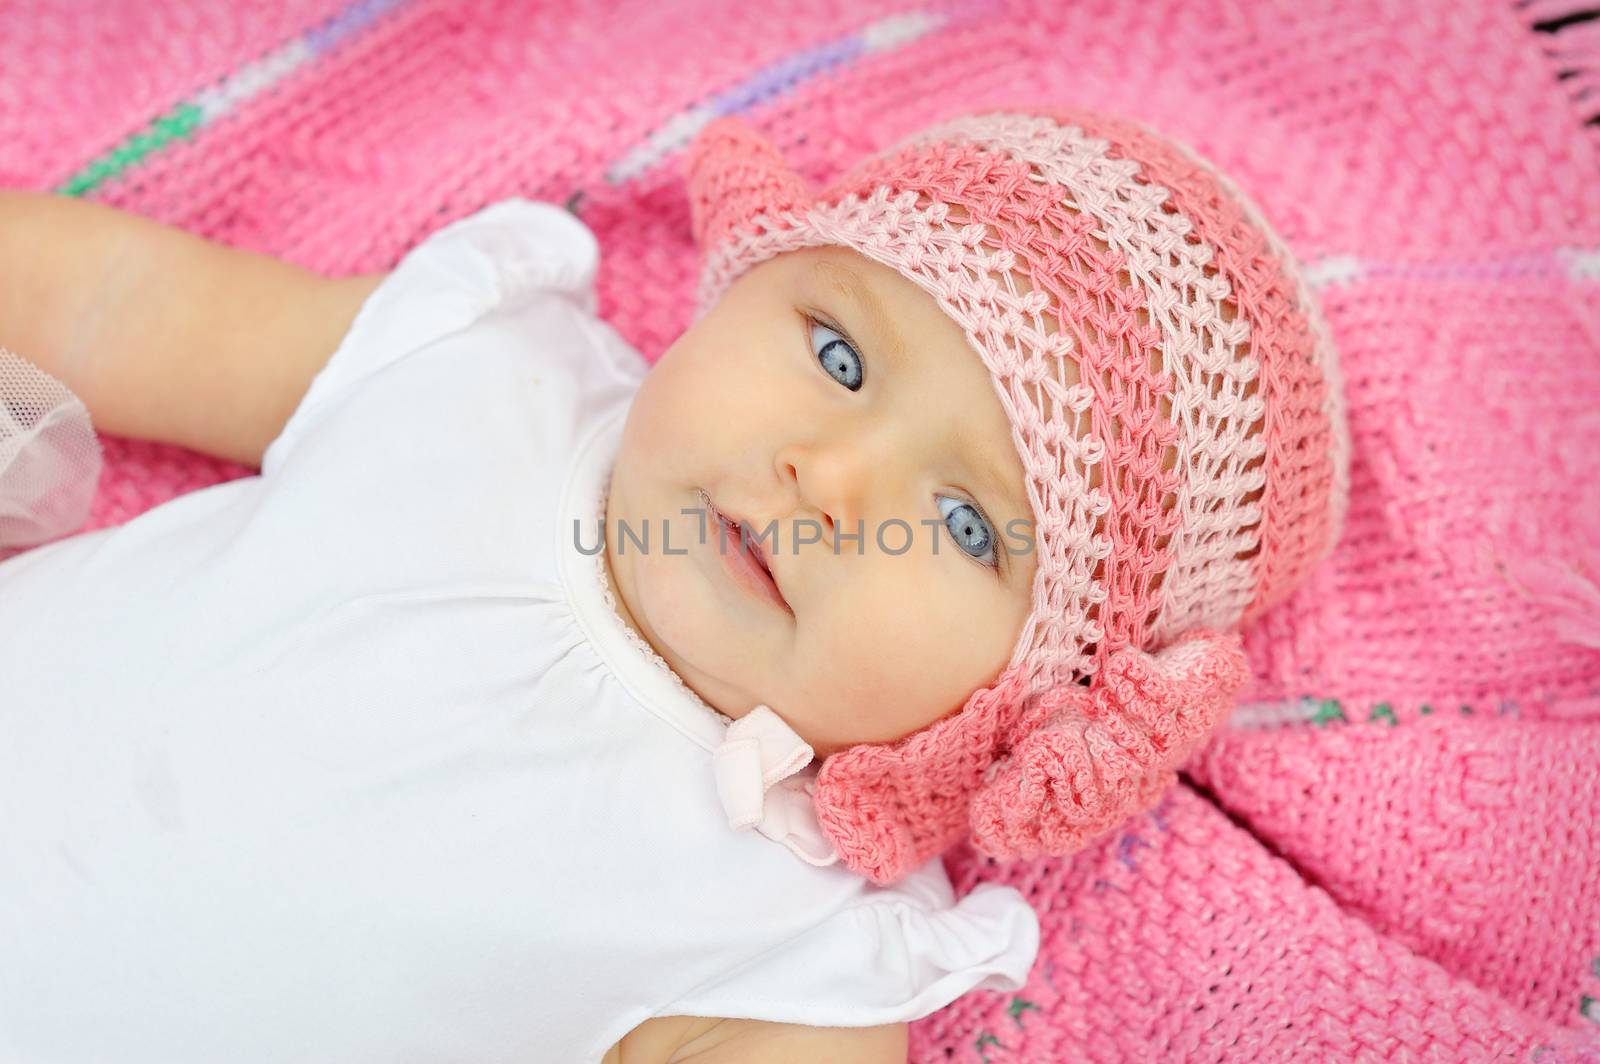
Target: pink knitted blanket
[1391,853]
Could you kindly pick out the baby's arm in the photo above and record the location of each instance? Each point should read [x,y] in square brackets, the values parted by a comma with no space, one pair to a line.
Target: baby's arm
[164,335]
[705,1040]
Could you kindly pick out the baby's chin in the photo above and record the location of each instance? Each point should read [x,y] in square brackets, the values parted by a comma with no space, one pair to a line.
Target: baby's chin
[717,652]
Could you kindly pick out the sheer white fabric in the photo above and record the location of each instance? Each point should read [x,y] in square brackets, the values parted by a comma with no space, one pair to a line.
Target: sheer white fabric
[50,458]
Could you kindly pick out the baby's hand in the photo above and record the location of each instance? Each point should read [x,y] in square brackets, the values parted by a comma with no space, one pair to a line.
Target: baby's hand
[161,334]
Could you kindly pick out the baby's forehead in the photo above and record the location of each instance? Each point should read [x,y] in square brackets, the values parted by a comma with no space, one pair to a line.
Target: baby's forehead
[873,287]
[844,268]
[822,261]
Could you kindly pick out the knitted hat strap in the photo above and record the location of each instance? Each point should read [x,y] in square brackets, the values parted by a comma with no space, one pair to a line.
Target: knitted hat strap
[1090,758]
[875,801]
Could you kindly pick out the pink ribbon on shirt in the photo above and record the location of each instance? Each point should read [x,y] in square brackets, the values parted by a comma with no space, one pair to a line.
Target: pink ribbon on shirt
[754,766]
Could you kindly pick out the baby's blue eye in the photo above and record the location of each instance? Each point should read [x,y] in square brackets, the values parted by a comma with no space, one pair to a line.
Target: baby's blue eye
[969,529]
[838,358]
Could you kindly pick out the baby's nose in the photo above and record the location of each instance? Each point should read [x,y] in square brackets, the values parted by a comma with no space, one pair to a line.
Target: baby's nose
[835,480]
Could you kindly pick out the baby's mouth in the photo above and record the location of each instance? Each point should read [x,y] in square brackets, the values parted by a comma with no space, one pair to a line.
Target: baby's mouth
[735,533]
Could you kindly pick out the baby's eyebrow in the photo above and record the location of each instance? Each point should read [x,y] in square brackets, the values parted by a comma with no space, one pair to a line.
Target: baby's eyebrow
[850,284]
[989,468]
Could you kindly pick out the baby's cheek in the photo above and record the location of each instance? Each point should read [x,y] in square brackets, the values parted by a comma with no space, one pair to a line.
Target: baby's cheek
[676,604]
[887,675]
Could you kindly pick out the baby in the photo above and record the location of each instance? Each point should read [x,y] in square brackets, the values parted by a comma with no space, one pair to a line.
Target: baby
[530,705]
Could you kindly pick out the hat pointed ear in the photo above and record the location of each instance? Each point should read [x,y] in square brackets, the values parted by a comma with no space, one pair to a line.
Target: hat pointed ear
[733,175]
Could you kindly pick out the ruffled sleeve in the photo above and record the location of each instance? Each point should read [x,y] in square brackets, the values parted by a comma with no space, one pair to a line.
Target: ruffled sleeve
[499,258]
[895,956]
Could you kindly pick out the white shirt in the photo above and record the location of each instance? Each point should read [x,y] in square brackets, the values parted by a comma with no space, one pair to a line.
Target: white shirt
[354,761]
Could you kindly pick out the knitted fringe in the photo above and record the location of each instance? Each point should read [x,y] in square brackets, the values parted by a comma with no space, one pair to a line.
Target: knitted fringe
[1574,50]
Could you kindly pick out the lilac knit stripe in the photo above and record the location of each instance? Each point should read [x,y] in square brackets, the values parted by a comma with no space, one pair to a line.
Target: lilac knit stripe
[1206,583]
[1295,514]
[891,32]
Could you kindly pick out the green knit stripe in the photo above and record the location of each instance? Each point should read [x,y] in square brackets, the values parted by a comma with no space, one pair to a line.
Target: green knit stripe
[181,121]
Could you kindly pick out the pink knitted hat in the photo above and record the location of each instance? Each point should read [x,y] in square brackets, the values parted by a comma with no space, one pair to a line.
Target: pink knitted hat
[1177,405]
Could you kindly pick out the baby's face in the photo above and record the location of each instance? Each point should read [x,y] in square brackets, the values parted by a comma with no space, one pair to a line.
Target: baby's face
[793,406]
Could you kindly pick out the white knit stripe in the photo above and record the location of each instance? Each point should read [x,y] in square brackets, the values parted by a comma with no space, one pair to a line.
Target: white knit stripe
[922,243]
[1262,715]
[1333,406]
[1206,583]
[1326,354]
